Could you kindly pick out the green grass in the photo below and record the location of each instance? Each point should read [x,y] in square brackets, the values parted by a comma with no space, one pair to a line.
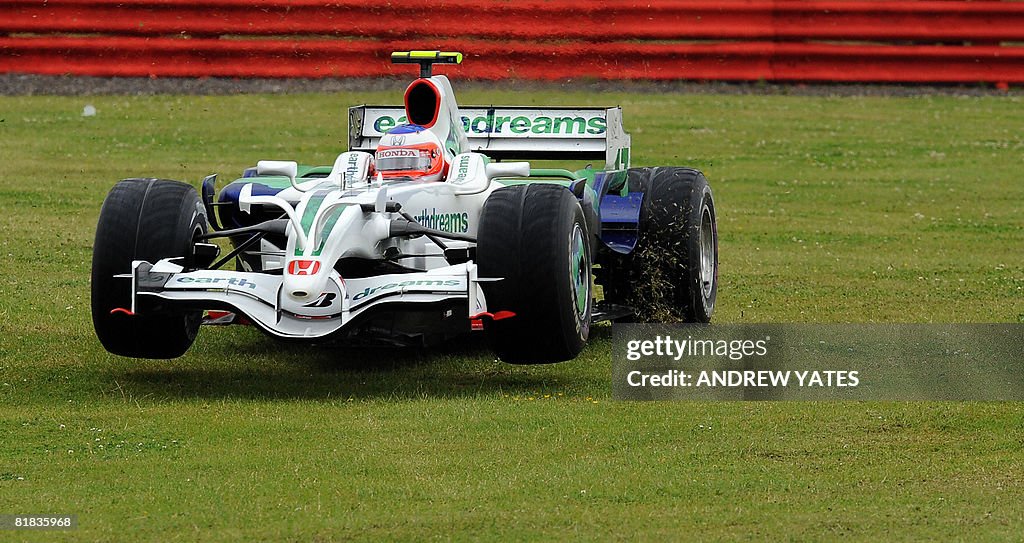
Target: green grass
[830,210]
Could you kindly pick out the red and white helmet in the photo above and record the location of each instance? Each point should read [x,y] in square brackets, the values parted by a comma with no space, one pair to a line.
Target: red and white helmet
[412,152]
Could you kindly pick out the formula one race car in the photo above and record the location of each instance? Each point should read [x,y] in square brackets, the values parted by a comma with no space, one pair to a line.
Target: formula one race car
[421,231]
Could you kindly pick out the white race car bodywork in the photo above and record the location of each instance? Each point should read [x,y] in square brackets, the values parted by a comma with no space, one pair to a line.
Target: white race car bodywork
[340,217]
[352,214]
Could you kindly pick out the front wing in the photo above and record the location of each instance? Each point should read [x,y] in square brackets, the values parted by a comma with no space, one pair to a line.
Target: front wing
[259,297]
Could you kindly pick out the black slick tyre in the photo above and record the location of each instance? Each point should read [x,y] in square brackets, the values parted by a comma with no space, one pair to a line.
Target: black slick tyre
[534,236]
[672,275]
[144,219]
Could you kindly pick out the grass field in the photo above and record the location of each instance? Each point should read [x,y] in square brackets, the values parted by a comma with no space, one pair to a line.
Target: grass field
[830,210]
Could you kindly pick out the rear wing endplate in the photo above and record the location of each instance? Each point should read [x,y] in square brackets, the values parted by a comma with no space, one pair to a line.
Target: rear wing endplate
[513,132]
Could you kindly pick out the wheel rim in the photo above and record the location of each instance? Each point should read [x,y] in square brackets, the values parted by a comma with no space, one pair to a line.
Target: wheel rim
[579,271]
[707,252]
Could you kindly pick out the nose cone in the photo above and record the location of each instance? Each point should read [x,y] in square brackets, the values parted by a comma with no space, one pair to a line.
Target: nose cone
[301,289]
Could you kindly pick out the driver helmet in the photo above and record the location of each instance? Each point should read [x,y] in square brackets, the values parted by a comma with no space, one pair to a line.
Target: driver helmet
[411,152]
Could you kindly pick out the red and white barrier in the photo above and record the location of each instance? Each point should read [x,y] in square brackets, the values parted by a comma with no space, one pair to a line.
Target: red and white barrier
[740,40]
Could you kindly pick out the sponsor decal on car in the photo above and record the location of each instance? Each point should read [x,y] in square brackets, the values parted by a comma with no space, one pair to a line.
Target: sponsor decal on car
[398,153]
[462,170]
[236,281]
[482,125]
[325,300]
[352,169]
[303,267]
[449,222]
[417,283]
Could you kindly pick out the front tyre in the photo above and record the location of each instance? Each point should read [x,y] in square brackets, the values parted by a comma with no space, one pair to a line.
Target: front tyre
[144,219]
[534,236]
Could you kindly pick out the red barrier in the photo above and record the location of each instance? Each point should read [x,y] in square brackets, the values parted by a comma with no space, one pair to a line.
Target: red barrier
[229,38]
[555,19]
[616,60]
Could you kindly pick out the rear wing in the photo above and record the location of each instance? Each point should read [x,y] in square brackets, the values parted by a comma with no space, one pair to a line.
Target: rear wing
[513,132]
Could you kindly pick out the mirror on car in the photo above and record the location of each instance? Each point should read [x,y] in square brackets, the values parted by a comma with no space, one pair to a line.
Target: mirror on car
[287,168]
[508,169]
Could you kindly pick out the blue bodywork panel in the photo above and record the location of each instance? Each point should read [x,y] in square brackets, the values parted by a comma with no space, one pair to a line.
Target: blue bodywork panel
[231,216]
[619,211]
[620,220]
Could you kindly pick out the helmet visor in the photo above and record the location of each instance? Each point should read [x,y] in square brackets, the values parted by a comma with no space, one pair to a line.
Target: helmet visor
[407,160]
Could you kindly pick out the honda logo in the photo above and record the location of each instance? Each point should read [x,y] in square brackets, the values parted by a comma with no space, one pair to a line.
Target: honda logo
[303,267]
[397,140]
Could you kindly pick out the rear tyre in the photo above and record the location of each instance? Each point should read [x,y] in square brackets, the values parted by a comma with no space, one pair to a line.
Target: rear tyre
[672,275]
[534,236]
[144,219]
